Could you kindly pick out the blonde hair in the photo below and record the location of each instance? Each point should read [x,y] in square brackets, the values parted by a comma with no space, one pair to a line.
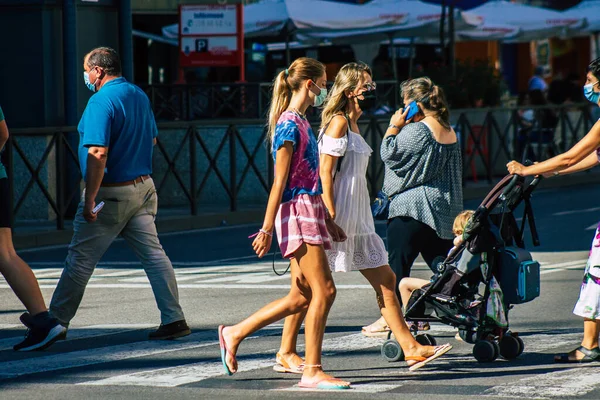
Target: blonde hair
[424,91]
[461,221]
[288,82]
[347,79]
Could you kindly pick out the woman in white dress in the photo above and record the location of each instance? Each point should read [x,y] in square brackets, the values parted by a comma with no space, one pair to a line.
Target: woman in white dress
[343,167]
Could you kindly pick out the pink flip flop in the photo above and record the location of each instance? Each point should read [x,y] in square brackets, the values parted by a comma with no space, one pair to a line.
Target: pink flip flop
[325,384]
[224,351]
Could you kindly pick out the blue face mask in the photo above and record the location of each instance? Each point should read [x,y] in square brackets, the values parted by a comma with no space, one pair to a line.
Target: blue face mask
[90,85]
[588,91]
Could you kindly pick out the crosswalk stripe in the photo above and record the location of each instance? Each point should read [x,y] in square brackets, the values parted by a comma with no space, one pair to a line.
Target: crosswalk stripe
[9,326]
[188,286]
[176,376]
[55,362]
[561,384]
[84,332]
[101,355]
[196,372]
[356,388]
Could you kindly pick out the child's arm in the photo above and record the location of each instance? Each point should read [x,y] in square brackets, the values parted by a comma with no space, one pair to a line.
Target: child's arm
[283,160]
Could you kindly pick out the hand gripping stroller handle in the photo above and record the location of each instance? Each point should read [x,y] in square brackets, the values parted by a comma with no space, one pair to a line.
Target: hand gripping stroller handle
[511,185]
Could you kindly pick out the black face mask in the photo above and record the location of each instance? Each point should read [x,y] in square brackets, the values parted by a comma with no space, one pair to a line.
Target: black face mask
[369,101]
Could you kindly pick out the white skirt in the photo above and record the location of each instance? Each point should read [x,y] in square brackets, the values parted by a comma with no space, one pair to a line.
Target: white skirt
[588,304]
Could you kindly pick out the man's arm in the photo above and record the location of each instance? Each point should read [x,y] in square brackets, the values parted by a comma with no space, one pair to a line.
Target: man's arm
[96,163]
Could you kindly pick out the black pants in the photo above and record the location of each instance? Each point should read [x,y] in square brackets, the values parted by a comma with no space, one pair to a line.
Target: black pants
[406,238]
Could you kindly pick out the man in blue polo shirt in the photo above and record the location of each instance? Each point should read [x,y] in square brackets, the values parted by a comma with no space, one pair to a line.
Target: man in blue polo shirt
[117,134]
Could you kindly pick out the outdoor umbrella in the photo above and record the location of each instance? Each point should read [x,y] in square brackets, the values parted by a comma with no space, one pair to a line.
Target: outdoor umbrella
[533,22]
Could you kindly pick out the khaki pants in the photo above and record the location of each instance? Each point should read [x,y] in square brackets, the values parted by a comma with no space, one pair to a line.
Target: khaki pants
[129,211]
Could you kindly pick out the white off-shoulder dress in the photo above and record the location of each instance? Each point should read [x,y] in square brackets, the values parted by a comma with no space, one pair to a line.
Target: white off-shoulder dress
[364,248]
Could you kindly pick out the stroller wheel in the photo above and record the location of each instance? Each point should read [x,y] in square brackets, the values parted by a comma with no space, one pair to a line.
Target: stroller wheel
[496,350]
[484,351]
[521,345]
[510,347]
[391,351]
[468,336]
[425,339]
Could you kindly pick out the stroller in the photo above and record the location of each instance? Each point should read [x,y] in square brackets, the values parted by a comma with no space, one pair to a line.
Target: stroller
[481,279]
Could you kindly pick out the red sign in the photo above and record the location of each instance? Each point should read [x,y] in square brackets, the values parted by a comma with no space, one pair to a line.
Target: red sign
[211,36]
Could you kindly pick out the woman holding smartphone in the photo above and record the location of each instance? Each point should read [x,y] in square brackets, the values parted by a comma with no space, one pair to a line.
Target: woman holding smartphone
[423,178]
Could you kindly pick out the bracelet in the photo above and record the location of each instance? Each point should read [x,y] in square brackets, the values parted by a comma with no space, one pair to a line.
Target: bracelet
[259,232]
[394,126]
[555,173]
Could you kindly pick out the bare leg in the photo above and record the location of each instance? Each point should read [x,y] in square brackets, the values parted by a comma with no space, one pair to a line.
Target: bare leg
[19,276]
[315,268]
[291,326]
[591,331]
[297,300]
[383,281]
[407,286]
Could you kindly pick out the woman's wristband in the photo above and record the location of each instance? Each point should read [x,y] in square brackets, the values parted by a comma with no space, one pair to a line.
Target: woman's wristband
[394,126]
[259,232]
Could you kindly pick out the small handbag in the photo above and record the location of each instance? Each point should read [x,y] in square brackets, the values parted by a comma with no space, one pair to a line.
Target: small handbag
[381,206]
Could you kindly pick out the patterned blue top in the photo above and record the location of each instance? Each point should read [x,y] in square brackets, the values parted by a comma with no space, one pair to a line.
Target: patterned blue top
[304,169]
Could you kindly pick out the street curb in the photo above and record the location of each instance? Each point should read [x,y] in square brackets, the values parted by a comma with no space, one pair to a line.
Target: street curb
[190,222]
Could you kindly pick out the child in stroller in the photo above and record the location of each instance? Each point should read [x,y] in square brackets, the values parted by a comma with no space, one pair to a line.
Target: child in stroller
[410,284]
[482,277]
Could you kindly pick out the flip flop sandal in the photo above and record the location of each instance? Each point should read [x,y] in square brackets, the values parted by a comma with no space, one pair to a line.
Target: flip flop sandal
[224,351]
[325,384]
[283,366]
[589,355]
[421,361]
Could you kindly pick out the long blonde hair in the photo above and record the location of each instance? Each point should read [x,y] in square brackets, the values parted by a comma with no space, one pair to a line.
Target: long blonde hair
[288,82]
[432,97]
[347,79]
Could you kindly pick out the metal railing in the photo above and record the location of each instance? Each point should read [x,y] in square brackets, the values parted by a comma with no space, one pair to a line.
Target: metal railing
[203,164]
[190,102]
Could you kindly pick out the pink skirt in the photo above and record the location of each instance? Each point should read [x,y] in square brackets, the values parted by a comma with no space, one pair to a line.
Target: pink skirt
[301,220]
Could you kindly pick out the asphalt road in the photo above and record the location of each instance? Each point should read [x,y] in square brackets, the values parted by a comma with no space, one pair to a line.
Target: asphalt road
[107,355]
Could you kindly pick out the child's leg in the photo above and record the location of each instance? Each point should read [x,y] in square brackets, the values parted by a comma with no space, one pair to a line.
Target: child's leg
[407,286]
[383,281]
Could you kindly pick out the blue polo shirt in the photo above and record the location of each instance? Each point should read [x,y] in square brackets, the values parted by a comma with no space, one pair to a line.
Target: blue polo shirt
[119,116]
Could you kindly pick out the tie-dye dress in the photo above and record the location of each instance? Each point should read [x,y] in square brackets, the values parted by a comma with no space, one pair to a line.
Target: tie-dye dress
[301,215]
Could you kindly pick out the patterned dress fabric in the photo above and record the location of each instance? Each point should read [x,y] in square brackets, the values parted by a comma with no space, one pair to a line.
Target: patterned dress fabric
[424,176]
[301,215]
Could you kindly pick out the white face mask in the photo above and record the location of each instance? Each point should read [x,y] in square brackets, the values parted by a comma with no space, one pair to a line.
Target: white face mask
[320,98]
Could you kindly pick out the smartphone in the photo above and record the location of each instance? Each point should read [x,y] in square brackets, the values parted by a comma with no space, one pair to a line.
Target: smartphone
[413,109]
[98,207]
